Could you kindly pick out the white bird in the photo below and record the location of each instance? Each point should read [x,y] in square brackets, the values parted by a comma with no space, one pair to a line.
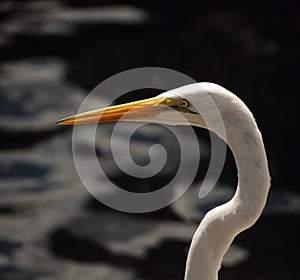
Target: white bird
[202,104]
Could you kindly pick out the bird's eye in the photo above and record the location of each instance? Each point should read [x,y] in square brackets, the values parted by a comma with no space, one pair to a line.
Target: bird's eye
[184,103]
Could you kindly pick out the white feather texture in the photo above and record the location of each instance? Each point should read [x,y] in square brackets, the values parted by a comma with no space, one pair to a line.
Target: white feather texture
[220,226]
[212,107]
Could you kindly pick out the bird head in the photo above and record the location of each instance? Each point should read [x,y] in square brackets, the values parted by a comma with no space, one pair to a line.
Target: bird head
[192,104]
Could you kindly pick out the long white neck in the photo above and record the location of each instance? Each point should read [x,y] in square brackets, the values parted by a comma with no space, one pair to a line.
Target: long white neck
[219,226]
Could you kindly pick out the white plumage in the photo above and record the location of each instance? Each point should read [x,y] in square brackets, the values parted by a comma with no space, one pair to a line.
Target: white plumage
[213,107]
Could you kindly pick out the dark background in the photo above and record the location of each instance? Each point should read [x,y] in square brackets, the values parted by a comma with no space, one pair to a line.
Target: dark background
[252,50]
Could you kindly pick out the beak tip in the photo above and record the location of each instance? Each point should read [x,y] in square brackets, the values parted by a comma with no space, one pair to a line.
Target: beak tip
[62,121]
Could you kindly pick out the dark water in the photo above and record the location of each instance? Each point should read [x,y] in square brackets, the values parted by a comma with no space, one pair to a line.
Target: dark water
[52,53]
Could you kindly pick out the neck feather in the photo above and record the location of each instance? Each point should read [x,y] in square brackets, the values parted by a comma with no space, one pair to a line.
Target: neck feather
[219,227]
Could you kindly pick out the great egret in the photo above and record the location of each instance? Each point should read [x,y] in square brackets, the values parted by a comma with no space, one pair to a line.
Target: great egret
[220,225]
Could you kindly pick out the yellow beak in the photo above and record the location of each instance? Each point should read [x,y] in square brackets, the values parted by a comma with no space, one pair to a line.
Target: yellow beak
[137,110]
